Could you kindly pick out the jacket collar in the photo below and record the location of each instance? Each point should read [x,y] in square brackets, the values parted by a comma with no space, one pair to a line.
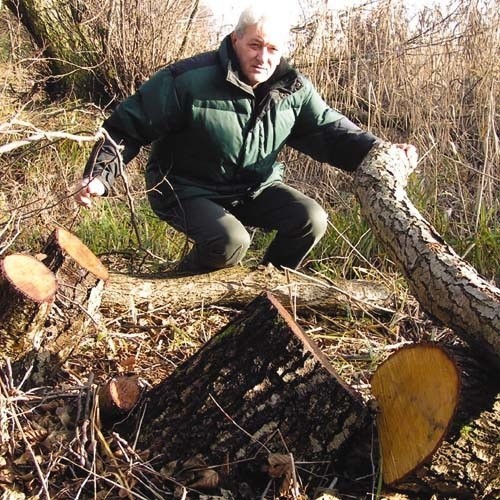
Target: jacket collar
[284,75]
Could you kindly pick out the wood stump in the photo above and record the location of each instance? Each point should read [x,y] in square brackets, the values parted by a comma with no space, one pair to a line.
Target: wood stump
[81,278]
[27,292]
[259,387]
[46,306]
[118,397]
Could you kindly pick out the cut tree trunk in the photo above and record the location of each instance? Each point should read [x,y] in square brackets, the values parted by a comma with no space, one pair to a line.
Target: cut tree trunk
[446,286]
[416,390]
[467,464]
[27,293]
[260,387]
[236,287]
[81,279]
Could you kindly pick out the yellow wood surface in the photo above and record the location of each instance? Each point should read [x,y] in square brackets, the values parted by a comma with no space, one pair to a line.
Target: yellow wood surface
[79,252]
[417,390]
[30,277]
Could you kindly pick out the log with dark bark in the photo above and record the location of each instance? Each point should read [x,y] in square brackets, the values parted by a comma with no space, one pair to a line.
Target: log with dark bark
[27,293]
[466,463]
[259,387]
[446,286]
[237,286]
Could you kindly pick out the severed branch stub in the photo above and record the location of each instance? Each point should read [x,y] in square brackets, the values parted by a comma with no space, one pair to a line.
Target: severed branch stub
[446,286]
[260,386]
[27,293]
[119,396]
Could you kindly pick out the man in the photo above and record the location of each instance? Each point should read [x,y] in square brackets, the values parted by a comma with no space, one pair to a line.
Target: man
[217,122]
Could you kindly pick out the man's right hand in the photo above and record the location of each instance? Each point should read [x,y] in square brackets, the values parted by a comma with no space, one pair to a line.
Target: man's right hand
[86,189]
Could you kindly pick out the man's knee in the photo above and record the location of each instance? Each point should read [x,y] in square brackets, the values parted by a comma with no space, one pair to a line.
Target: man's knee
[312,218]
[225,249]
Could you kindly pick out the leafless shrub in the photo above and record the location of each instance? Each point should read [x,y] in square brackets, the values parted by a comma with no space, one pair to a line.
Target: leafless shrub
[109,47]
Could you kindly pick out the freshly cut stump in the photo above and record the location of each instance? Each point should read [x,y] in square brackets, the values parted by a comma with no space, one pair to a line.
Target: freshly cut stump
[417,391]
[63,244]
[81,277]
[27,292]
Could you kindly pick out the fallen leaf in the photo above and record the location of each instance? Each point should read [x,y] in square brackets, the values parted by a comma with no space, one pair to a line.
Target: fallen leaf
[205,479]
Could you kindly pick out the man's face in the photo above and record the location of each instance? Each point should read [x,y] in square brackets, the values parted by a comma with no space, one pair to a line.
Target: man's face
[259,51]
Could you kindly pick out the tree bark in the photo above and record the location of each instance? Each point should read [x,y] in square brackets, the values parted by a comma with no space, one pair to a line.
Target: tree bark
[237,286]
[259,387]
[447,287]
[27,293]
[66,43]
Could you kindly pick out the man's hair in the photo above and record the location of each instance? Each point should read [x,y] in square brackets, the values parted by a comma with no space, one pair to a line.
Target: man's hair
[261,12]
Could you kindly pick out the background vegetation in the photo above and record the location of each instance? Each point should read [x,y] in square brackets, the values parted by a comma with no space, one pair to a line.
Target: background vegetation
[429,78]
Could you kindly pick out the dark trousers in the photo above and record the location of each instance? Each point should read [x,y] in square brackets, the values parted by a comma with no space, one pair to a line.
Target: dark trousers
[217,227]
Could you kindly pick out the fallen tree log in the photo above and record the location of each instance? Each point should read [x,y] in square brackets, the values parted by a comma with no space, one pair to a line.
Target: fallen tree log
[447,287]
[259,387]
[236,286]
[261,390]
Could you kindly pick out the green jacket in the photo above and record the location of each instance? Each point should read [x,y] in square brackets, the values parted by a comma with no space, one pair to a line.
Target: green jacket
[213,135]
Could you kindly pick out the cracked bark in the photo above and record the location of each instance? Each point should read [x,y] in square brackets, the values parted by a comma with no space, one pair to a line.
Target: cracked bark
[447,287]
[259,386]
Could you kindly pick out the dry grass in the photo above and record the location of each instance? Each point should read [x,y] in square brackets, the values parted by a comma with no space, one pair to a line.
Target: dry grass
[58,427]
[432,82]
